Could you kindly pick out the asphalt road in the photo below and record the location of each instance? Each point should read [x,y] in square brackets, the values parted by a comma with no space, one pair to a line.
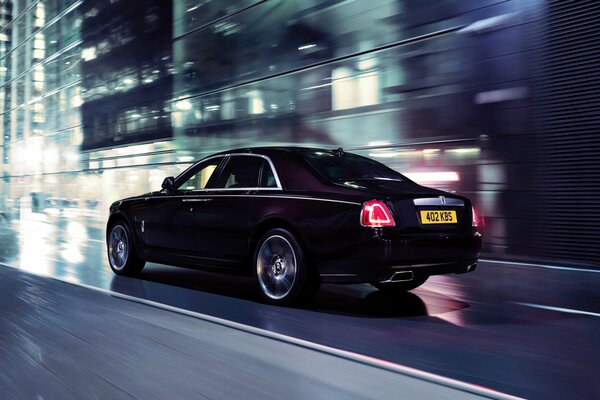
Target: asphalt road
[527,331]
[60,341]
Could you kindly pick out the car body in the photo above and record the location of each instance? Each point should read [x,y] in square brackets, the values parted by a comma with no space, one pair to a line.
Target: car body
[336,216]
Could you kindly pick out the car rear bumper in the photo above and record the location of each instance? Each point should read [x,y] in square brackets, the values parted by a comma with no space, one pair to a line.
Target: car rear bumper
[379,257]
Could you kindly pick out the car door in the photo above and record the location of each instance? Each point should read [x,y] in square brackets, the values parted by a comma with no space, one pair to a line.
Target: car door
[170,221]
[222,222]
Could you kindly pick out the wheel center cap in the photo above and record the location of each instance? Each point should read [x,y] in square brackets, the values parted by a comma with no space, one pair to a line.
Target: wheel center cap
[278,266]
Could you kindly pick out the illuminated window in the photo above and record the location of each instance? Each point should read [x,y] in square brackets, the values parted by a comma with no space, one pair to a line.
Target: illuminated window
[256,103]
[355,87]
[88,53]
[40,15]
[38,74]
[39,112]
[38,54]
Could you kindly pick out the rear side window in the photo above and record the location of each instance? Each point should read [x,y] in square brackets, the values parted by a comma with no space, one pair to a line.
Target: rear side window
[343,167]
[239,172]
[267,179]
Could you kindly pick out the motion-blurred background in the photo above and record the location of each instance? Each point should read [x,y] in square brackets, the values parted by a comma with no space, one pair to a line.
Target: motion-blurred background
[494,99]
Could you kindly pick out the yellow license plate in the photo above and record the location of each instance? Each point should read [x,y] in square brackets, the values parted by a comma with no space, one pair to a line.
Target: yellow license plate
[438,217]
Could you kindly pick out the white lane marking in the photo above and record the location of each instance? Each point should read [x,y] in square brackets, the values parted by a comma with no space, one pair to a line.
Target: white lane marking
[522,264]
[371,361]
[559,309]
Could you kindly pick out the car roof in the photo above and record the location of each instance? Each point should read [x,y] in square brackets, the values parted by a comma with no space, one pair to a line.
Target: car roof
[287,159]
[265,150]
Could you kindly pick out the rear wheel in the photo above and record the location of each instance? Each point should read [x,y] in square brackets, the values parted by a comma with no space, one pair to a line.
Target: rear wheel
[401,287]
[122,257]
[281,271]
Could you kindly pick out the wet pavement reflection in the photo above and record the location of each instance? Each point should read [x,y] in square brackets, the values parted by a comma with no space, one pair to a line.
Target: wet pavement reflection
[489,327]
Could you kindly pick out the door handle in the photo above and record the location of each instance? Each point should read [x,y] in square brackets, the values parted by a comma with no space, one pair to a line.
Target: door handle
[196,200]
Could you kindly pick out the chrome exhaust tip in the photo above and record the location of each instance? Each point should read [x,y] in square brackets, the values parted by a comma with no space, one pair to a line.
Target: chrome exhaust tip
[401,276]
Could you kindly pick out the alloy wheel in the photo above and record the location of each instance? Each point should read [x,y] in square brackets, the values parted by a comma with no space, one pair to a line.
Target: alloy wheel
[118,248]
[276,267]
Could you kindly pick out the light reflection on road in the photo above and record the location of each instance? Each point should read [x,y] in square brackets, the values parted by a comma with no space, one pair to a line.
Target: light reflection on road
[36,251]
[444,309]
[65,246]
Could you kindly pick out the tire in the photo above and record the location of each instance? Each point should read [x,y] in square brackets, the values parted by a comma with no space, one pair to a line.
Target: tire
[280,268]
[122,257]
[401,287]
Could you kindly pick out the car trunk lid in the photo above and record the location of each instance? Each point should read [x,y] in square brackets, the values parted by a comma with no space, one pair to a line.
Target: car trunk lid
[417,208]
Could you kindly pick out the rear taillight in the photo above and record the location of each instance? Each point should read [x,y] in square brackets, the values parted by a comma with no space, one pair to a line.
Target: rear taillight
[475,217]
[376,214]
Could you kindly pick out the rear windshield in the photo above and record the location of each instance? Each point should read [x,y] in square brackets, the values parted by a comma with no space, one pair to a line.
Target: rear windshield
[342,167]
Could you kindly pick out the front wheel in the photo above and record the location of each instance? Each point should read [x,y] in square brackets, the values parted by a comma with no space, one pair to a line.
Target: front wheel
[122,257]
[280,268]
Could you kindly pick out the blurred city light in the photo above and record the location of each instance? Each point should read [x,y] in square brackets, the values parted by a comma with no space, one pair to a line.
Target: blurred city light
[429,177]
[100,101]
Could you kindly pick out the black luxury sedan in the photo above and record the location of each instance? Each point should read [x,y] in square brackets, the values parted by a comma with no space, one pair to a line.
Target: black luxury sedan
[293,218]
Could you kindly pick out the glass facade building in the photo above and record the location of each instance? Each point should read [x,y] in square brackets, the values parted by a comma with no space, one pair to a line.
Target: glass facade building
[100,99]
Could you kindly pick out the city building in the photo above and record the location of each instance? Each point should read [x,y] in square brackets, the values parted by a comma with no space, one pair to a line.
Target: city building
[5,37]
[104,98]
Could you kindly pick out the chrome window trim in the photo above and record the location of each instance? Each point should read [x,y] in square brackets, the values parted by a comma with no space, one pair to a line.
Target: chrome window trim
[229,155]
[277,181]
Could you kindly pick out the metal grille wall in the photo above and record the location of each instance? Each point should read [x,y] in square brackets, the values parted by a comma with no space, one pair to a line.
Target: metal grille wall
[567,131]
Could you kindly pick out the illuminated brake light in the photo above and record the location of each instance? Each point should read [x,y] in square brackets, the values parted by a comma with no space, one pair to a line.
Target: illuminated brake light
[475,218]
[375,214]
